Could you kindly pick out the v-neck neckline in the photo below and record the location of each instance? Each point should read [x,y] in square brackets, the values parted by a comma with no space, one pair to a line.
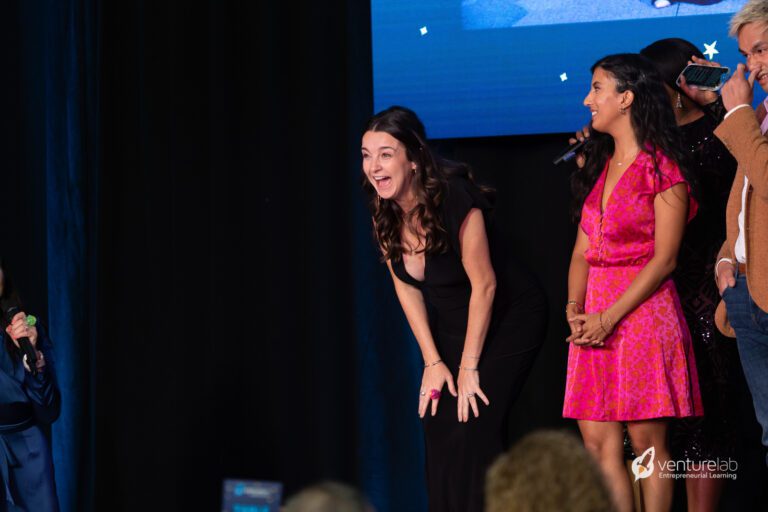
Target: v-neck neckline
[405,269]
[603,209]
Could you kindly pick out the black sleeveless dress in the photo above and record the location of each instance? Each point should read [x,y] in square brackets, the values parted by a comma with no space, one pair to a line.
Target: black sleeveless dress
[458,454]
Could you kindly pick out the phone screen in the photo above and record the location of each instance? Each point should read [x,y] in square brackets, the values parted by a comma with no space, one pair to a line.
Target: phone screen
[708,77]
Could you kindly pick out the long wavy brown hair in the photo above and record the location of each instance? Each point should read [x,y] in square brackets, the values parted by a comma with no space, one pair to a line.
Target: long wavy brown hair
[431,178]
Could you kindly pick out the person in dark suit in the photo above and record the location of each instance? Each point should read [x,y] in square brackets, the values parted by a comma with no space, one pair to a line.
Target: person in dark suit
[30,401]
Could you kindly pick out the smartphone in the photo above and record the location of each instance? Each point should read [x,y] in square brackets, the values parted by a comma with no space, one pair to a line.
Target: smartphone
[708,78]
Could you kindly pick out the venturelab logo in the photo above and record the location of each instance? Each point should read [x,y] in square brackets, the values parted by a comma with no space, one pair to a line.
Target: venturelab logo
[643,467]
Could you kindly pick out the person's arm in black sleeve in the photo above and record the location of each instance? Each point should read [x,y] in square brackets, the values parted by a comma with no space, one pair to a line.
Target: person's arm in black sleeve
[716,109]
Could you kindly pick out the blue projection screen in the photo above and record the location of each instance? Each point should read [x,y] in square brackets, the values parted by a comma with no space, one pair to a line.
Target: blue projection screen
[474,68]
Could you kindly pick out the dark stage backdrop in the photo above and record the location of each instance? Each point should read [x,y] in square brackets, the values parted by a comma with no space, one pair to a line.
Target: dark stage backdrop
[181,203]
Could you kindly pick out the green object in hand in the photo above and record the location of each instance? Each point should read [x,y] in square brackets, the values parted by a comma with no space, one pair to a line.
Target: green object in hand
[31,320]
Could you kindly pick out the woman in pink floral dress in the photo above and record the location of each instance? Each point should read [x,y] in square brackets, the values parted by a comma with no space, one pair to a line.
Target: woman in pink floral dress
[630,359]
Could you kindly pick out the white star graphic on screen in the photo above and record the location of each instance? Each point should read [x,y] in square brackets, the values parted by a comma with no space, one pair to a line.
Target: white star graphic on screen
[710,50]
[563,77]
[423,30]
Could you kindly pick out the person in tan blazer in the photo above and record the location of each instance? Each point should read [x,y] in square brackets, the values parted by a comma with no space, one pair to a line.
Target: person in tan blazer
[742,267]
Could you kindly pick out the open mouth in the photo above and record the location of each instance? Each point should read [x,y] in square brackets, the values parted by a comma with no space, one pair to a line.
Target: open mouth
[382,181]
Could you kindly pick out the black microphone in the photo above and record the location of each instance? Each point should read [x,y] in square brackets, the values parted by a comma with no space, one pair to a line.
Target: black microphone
[11,307]
[570,152]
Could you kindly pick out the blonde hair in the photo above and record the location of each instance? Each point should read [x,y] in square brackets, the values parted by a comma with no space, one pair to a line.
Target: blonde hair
[546,470]
[754,11]
[328,496]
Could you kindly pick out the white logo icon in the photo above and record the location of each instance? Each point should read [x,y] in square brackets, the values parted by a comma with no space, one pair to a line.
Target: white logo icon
[644,470]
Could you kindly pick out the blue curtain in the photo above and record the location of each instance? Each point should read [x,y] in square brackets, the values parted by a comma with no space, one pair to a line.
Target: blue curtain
[389,376]
[71,99]
[389,365]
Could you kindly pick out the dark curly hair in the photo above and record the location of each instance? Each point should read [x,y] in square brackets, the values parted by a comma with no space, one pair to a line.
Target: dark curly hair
[651,116]
[432,173]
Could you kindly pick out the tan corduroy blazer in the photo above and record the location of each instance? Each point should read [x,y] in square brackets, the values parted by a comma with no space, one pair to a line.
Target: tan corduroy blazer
[742,136]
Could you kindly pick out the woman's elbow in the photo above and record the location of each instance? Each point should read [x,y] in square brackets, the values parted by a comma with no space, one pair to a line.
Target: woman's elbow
[666,264]
[487,288]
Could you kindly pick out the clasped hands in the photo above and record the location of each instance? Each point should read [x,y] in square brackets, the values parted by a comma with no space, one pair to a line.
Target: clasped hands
[588,329]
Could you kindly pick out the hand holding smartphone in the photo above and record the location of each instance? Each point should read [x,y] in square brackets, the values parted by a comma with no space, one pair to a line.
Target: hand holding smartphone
[707,78]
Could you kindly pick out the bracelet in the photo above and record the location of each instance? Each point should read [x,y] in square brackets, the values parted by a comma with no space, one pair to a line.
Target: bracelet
[468,369]
[581,306]
[433,364]
[610,323]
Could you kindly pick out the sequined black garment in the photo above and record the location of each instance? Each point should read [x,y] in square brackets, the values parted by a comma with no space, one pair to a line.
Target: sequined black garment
[713,169]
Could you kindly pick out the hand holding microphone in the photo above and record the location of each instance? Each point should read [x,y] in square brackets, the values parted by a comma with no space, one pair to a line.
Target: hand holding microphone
[576,148]
[21,328]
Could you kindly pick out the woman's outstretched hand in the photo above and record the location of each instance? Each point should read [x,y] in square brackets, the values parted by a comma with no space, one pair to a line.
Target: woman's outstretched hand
[469,391]
[432,381]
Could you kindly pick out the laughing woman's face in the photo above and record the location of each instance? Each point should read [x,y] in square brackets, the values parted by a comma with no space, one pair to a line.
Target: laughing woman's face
[386,165]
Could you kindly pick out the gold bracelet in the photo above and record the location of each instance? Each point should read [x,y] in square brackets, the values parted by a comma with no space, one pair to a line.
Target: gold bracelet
[581,306]
[433,364]
[601,323]
[468,369]
[610,320]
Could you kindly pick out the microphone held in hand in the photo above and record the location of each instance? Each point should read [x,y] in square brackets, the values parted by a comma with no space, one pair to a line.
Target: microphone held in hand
[570,152]
[10,310]
[10,305]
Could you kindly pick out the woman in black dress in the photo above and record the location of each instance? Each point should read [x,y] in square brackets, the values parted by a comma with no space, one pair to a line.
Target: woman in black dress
[711,436]
[478,318]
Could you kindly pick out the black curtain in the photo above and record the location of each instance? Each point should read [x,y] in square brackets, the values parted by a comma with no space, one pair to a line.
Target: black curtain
[228,340]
